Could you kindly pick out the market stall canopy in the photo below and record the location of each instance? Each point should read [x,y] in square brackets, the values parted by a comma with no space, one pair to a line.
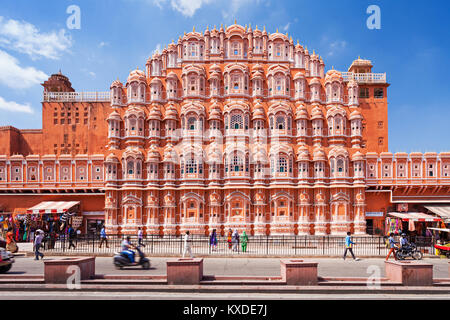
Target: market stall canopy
[442,210]
[414,216]
[54,207]
[440,229]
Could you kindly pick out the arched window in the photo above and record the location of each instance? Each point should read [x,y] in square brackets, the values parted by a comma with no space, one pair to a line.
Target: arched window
[236,121]
[280,122]
[282,164]
[130,167]
[191,166]
[237,164]
[191,123]
[340,165]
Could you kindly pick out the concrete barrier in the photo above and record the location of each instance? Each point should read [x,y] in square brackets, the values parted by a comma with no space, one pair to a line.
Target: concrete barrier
[410,273]
[184,271]
[57,271]
[299,272]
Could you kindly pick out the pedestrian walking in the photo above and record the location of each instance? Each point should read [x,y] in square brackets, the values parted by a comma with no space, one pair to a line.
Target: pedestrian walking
[235,240]
[244,242]
[71,233]
[140,237]
[348,246]
[103,237]
[187,245]
[10,242]
[229,238]
[392,246]
[37,244]
[213,240]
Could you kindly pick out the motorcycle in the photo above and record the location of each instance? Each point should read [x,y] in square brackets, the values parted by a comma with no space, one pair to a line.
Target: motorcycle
[121,260]
[6,260]
[409,251]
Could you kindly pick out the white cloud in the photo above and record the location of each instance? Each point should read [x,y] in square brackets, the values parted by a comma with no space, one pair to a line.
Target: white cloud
[17,77]
[103,44]
[14,106]
[157,49]
[185,7]
[235,5]
[25,38]
[286,27]
[336,46]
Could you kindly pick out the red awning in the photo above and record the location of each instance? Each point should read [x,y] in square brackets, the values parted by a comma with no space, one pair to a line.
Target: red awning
[53,207]
[414,216]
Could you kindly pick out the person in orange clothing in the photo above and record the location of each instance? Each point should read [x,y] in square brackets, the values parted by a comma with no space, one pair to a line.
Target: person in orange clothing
[392,247]
[230,233]
[9,236]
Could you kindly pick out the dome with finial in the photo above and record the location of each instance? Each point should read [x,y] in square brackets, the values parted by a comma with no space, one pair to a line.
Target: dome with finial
[116,84]
[171,113]
[303,153]
[333,75]
[316,113]
[319,154]
[301,112]
[136,75]
[155,114]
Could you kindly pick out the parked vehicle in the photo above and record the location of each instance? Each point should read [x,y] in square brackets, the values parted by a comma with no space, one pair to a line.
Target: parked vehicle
[6,260]
[121,260]
[409,251]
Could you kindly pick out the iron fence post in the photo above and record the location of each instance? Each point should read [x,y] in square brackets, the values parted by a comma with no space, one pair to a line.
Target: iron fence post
[295,245]
[267,245]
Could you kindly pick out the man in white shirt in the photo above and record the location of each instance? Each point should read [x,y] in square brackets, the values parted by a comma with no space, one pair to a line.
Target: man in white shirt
[187,246]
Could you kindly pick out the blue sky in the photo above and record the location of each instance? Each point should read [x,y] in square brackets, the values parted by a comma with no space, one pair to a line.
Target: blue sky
[116,36]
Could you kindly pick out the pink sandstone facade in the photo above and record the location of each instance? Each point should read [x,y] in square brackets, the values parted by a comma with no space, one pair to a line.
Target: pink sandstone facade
[229,128]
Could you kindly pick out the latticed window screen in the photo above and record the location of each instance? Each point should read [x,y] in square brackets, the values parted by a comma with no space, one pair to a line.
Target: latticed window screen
[237,164]
[282,164]
[280,122]
[236,121]
[191,123]
[191,166]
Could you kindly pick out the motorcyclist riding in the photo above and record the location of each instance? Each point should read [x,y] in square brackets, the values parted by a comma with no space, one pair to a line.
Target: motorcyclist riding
[126,249]
[405,245]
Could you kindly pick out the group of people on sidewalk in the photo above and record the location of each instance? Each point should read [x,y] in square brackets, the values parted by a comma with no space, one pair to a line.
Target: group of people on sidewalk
[234,240]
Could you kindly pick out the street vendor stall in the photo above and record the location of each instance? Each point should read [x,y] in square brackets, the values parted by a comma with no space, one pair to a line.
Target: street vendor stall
[55,217]
[410,222]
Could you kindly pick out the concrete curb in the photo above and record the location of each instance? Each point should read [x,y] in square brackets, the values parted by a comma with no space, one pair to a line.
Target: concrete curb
[230,289]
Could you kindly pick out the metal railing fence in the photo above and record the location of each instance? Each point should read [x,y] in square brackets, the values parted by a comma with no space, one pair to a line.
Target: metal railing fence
[273,245]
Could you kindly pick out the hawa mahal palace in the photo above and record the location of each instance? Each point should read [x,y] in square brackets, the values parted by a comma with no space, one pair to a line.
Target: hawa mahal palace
[227,128]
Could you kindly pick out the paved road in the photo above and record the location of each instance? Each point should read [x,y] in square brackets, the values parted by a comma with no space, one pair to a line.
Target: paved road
[64,295]
[328,267]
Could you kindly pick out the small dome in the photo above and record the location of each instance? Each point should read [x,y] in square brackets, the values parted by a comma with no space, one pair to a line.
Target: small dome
[302,112]
[333,75]
[319,155]
[116,84]
[314,81]
[258,113]
[172,75]
[136,75]
[112,158]
[171,113]
[357,156]
[303,153]
[114,116]
[299,75]
[317,113]
[355,115]
[153,154]
[154,114]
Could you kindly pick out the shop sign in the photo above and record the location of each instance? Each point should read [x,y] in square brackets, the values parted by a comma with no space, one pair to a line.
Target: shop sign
[77,222]
[374,214]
